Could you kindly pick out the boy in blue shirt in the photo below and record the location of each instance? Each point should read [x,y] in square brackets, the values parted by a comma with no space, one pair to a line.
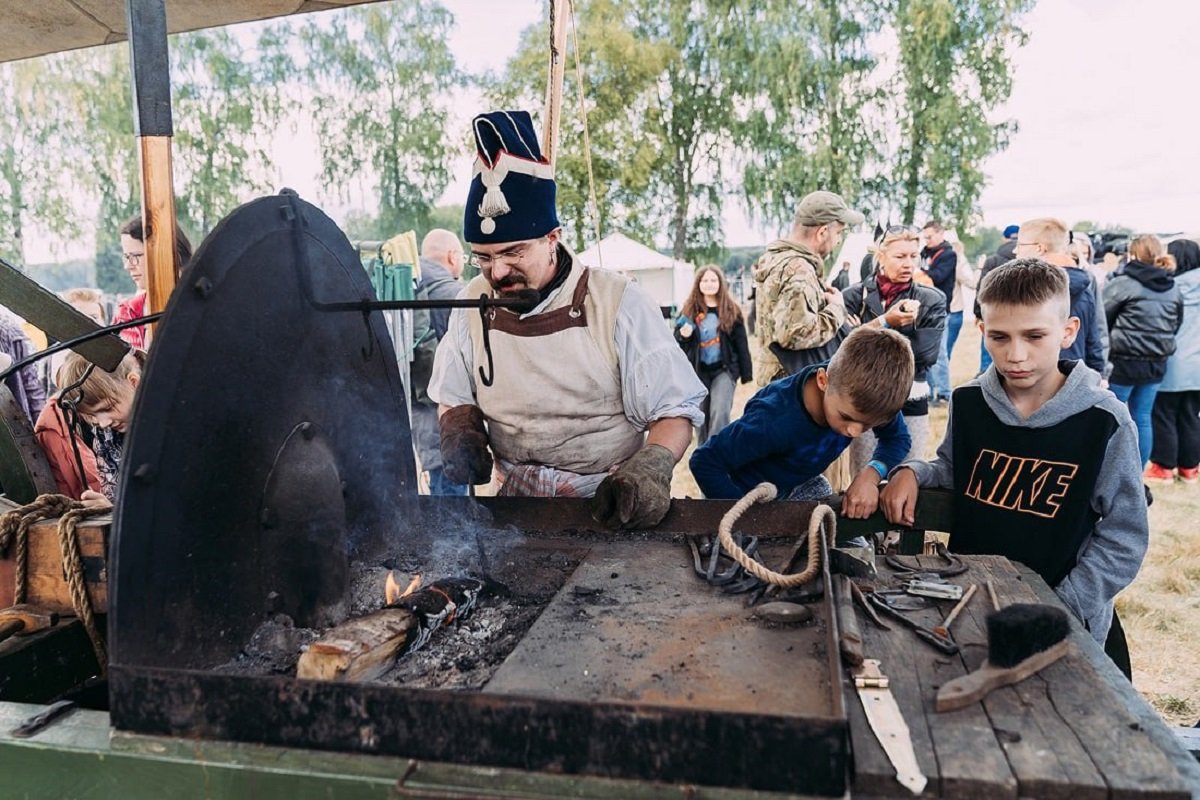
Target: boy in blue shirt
[794,428]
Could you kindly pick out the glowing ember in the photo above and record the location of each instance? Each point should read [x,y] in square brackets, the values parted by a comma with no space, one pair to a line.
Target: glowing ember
[391,589]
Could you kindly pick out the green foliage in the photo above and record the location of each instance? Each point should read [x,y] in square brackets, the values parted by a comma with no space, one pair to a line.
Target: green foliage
[383,76]
[1108,227]
[619,70]
[741,259]
[813,119]
[982,241]
[32,185]
[954,69]
[105,165]
[671,66]
[449,217]
[224,108]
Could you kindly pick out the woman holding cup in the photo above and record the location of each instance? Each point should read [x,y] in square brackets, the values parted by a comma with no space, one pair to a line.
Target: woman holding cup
[890,298]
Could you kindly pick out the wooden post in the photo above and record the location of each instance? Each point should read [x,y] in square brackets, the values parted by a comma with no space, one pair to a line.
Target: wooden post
[554,84]
[147,21]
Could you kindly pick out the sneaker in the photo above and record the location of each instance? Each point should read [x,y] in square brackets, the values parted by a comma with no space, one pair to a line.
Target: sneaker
[1157,472]
[1189,475]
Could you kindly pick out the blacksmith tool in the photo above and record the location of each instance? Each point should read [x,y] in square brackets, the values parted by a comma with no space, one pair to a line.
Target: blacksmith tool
[926,635]
[991,589]
[25,619]
[934,589]
[722,571]
[850,639]
[783,612]
[39,721]
[1022,639]
[888,725]
[944,628]
[954,564]
[846,562]
[861,599]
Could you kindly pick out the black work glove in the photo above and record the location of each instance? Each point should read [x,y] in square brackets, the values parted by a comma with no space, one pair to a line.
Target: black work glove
[465,456]
[638,493]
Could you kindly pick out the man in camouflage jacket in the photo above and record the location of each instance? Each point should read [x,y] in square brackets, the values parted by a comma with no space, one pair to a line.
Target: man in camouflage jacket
[795,309]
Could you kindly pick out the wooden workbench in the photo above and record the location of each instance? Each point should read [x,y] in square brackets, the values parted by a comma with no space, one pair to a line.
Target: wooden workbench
[1075,731]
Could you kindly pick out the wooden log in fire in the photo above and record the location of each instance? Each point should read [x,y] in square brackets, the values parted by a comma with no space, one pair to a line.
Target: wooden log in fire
[363,648]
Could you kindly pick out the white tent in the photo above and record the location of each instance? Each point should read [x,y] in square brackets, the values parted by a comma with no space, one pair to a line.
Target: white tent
[854,248]
[667,280]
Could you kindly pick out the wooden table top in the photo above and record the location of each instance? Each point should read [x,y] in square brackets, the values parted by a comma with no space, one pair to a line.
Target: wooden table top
[1077,730]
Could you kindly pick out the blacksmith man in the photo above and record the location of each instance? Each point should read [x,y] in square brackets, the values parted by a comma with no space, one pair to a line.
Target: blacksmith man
[590,393]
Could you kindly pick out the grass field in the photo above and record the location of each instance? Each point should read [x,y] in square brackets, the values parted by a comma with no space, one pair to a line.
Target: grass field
[1160,610]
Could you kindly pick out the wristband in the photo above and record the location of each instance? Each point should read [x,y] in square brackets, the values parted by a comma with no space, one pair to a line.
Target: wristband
[883,323]
[879,467]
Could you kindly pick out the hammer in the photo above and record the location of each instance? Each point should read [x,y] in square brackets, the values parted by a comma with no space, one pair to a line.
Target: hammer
[25,619]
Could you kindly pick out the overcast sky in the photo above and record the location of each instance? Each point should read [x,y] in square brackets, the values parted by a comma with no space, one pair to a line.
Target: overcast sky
[1104,93]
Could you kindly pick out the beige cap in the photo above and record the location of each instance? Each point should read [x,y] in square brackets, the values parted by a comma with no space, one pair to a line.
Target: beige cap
[821,208]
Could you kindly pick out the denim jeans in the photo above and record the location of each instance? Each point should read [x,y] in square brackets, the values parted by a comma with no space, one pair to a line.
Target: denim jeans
[717,406]
[939,373]
[954,322]
[985,358]
[1140,400]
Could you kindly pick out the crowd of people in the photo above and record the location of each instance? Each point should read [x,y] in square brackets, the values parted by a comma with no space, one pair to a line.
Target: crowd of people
[1089,379]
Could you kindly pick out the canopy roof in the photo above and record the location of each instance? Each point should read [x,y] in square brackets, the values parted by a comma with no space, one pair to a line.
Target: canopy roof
[618,252]
[49,26]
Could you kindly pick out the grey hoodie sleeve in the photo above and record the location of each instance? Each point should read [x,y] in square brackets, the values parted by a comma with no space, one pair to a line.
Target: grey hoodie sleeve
[1111,557]
[938,473]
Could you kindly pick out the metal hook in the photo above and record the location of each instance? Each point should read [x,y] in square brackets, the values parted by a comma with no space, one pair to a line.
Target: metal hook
[490,375]
[369,350]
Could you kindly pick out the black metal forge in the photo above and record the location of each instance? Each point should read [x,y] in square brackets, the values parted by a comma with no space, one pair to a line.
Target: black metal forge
[271,445]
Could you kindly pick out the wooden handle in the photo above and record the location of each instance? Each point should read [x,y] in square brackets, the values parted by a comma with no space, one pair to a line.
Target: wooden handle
[944,628]
[991,587]
[973,687]
[850,640]
[9,627]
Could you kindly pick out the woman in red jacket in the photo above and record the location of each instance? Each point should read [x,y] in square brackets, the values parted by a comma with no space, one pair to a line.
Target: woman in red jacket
[133,254]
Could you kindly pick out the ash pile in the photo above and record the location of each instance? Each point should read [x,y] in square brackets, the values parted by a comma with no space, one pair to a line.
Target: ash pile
[477,605]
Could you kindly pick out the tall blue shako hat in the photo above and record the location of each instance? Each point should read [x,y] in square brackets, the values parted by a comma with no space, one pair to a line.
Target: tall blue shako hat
[512,195]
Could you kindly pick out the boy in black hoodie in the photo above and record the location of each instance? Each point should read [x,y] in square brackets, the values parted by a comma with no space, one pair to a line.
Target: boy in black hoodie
[1043,462]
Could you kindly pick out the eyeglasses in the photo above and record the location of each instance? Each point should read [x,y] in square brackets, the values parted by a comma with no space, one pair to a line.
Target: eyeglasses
[133,259]
[510,257]
[900,232]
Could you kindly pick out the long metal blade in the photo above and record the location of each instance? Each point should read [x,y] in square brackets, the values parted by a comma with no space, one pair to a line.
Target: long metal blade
[888,725]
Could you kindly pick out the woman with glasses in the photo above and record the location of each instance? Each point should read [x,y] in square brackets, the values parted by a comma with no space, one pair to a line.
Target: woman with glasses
[891,298]
[133,254]
[712,334]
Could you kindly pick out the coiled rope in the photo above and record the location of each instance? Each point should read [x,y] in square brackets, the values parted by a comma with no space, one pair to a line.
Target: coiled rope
[14,526]
[823,522]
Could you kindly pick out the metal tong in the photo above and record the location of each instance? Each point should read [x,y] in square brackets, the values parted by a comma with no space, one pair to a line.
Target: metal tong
[721,570]
[954,564]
